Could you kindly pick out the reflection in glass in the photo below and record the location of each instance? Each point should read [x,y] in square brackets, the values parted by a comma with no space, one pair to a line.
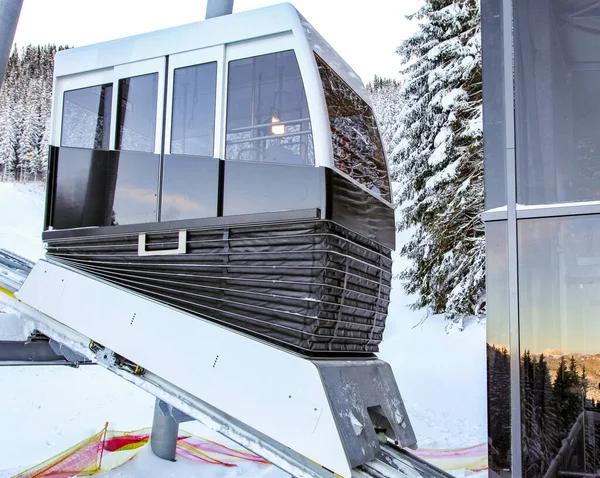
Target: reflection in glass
[190,187]
[357,147]
[194,99]
[84,188]
[267,112]
[559,299]
[498,350]
[136,113]
[557,72]
[251,188]
[86,117]
[137,183]
[494,125]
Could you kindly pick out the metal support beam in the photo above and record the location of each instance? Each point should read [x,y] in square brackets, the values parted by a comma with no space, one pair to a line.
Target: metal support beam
[9,16]
[218,8]
[165,429]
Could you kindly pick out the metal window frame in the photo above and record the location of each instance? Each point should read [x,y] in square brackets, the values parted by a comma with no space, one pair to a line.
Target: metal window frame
[513,272]
[509,214]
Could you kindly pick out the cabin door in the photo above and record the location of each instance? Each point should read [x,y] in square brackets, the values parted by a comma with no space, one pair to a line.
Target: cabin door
[138,109]
[192,171]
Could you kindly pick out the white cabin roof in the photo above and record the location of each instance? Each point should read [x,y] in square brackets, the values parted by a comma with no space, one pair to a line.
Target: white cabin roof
[227,29]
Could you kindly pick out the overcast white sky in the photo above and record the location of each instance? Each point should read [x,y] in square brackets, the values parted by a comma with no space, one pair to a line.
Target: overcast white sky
[364,32]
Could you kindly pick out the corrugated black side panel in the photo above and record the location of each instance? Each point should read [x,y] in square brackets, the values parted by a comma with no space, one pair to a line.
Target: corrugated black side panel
[312,285]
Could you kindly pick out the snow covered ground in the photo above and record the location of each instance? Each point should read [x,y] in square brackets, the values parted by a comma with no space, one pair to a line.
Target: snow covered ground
[44,410]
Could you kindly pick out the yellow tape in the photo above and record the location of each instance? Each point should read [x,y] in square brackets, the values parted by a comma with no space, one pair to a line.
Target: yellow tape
[324,467]
[7,292]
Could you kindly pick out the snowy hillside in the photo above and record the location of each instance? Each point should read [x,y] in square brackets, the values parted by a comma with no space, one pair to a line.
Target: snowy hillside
[45,410]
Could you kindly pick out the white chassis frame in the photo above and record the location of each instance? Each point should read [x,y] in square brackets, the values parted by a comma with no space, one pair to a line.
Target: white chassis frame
[276,392]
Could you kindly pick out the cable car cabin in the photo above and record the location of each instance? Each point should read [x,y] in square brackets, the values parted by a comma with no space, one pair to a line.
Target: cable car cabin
[231,168]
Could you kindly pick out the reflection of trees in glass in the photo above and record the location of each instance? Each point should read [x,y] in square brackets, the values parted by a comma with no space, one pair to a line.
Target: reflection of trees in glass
[498,361]
[357,147]
[538,415]
[559,423]
[86,117]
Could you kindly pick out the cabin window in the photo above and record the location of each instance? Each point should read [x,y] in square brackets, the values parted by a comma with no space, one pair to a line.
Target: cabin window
[86,117]
[267,111]
[194,99]
[136,128]
[357,147]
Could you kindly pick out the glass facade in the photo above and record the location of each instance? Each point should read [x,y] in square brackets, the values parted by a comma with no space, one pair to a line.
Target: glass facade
[559,291]
[357,147]
[544,282]
[267,111]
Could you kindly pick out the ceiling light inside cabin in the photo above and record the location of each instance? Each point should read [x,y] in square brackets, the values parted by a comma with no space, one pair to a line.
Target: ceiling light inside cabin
[277,128]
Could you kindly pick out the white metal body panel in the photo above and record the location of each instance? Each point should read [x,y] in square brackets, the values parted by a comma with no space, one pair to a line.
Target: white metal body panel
[275,392]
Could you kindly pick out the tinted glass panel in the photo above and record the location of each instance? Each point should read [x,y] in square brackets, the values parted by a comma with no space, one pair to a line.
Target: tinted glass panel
[85,188]
[137,183]
[557,66]
[194,98]
[357,146]
[86,117]
[136,126]
[494,127]
[498,350]
[254,188]
[559,291]
[190,187]
[267,112]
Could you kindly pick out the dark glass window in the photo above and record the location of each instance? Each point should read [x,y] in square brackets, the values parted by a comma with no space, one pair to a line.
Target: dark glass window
[494,126]
[86,117]
[267,112]
[194,99]
[190,187]
[498,347]
[557,72]
[559,302]
[357,147]
[136,123]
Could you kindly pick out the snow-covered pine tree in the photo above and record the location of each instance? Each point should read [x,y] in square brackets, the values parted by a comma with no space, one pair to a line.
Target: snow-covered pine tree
[387,105]
[438,161]
[25,103]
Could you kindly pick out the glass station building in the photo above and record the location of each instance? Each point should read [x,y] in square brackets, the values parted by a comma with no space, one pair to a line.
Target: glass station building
[541,67]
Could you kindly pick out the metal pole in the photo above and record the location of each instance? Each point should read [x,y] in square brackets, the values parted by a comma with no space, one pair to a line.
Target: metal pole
[218,8]
[9,16]
[163,439]
[165,428]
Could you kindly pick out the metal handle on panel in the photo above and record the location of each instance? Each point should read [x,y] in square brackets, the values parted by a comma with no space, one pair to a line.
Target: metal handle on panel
[181,246]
